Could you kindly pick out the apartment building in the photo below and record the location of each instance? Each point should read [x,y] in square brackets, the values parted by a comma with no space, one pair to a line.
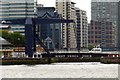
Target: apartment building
[67,9]
[103,34]
[107,11]
[82,28]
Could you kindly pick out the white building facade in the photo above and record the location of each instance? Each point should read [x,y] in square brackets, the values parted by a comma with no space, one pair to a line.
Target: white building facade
[67,9]
[15,9]
[82,28]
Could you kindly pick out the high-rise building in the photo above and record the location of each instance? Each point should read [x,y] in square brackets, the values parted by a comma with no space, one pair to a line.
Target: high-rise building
[107,11]
[82,28]
[17,9]
[40,5]
[118,26]
[103,34]
[67,9]
[50,34]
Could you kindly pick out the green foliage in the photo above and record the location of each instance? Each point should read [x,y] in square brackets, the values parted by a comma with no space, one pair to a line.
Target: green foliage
[14,38]
[112,60]
[20,61]
[4,34]
[90,47]
[17,39]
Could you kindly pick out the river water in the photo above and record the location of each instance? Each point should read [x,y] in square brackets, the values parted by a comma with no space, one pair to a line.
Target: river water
[61,70]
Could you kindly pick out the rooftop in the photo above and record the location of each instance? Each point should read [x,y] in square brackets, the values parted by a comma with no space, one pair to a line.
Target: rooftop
[4,42]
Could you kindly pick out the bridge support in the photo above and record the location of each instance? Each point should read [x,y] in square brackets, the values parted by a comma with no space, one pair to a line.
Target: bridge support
[29,37]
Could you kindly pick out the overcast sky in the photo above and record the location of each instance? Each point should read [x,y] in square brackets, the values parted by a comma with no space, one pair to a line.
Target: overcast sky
[82,4]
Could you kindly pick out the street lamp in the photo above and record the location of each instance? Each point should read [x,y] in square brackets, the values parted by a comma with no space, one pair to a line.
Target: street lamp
[18,46]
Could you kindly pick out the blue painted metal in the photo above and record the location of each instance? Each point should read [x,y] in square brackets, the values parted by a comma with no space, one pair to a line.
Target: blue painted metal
[35,21]
[29,37]
[28,21]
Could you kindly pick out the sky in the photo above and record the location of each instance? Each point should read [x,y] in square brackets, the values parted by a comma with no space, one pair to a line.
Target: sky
[82,4]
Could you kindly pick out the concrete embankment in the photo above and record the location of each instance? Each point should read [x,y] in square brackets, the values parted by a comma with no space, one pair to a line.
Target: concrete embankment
[20,61]
[35,61]
[110,60]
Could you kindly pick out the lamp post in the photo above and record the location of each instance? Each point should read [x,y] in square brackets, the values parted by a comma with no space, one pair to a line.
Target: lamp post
[18,46]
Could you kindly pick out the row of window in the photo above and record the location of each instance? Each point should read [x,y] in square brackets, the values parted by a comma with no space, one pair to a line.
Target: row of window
[16,14]
[18,29]
[97,27]
[100,32]
[100,41]
[16,4]
[100,36]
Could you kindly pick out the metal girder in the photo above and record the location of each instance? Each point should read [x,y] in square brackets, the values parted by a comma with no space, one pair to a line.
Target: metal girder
[35,21]
[48,21]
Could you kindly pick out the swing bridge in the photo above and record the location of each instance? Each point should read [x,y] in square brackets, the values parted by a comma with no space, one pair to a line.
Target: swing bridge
[31,36]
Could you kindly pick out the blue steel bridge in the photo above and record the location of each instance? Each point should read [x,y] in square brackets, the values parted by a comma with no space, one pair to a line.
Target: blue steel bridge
[31,37]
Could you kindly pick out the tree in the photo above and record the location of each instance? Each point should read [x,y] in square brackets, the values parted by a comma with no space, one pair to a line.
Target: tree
[14,38]
[90,47]
[4,34]
[17,39]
